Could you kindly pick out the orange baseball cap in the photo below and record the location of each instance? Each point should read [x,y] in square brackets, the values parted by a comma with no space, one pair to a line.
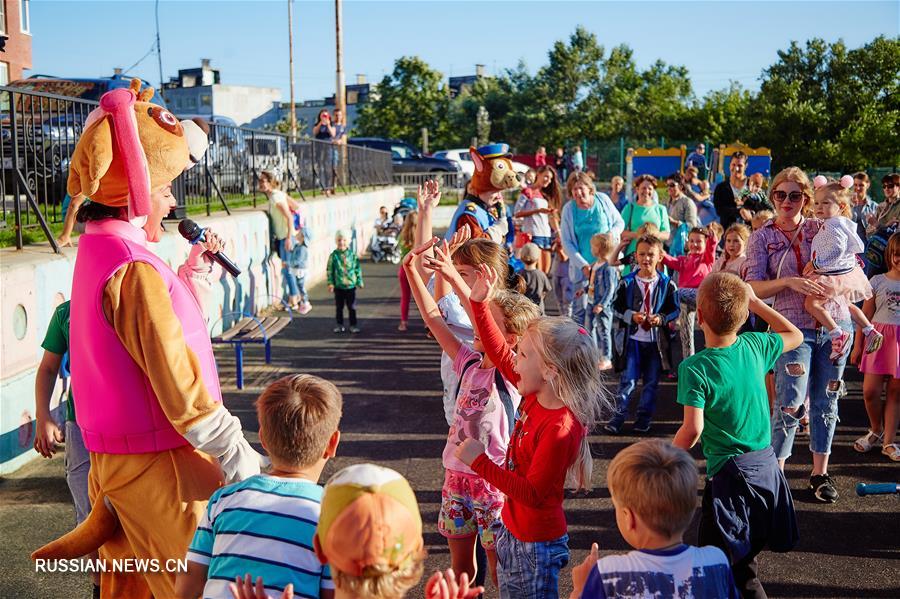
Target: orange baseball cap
[369,517]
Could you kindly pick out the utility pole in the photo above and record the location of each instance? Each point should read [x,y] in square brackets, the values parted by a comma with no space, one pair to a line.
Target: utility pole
[291,60]
[339,99]
[159,55]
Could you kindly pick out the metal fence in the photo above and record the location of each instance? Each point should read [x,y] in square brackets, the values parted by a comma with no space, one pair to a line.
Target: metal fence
[39,132]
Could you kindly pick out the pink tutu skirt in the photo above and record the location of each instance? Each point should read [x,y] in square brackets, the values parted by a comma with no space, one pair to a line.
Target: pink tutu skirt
[853,286]
[887,359]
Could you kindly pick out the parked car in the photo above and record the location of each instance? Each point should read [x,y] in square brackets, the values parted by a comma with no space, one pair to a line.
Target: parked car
[406,158]
[228,156]
[461,156]
[84,88]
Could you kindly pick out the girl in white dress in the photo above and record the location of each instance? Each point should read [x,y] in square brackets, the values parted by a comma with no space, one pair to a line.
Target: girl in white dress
[835,268]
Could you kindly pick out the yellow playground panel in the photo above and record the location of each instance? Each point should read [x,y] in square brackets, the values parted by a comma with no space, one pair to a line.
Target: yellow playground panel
[759,160]
[659,162]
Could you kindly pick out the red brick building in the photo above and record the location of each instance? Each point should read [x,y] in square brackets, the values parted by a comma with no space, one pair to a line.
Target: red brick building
[15,24]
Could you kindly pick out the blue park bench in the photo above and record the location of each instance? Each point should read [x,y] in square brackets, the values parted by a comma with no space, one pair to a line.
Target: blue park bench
[252,329]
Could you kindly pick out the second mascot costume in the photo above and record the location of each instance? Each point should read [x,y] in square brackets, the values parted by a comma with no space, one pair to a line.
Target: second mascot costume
[149,403]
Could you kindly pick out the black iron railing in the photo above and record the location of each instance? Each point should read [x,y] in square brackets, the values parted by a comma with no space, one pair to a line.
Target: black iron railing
[39,132]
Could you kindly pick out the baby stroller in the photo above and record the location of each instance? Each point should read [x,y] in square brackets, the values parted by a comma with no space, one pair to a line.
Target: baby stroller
[386,241]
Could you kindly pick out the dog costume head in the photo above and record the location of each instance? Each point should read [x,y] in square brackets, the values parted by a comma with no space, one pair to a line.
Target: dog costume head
[493,169]
[130,147]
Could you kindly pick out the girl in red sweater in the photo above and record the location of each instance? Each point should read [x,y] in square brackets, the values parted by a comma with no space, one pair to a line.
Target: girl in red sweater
[555,371]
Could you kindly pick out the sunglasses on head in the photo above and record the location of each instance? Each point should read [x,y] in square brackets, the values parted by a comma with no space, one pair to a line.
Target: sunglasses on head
[793,197]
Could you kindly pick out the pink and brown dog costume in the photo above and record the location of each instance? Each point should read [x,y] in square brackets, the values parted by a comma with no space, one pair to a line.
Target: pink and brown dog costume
[149,403]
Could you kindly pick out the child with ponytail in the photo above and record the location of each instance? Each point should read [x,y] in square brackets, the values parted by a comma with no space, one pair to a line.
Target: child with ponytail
[555,371]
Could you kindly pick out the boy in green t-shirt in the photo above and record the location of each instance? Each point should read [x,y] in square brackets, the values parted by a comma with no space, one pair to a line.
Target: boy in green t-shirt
[78,459]
[747,504]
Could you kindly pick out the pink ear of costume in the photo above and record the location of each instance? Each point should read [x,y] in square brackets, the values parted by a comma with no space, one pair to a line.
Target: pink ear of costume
[819,181]
[119,103]
[846,181]
[476,158]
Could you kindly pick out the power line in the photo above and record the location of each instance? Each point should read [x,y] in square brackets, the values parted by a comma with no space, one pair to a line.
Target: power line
[142,58]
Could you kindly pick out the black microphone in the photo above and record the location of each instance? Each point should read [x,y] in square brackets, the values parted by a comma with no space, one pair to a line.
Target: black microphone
[195,233]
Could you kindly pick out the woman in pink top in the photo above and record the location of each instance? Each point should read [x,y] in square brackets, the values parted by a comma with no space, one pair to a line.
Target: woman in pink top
[692,269]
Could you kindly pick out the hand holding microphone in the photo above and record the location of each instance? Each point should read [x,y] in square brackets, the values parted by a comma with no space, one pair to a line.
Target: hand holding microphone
[213,244]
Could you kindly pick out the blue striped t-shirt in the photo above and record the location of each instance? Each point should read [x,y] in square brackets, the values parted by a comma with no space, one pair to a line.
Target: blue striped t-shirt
[265,526]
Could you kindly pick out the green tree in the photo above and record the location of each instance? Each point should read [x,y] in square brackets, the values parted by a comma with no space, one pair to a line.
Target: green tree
[547,109]
[411,97]
[637,104]
[721,115]
[828,108]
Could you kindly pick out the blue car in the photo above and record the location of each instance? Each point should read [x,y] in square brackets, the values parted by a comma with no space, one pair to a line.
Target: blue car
[84,88]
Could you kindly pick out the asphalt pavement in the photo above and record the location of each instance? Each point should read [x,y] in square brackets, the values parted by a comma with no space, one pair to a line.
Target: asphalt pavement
[393,417]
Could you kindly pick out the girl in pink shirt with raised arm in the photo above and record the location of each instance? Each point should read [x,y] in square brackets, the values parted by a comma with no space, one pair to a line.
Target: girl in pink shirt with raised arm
[692,269]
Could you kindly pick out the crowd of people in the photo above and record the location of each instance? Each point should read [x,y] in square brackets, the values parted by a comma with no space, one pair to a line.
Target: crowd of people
[522,391]
[776,278]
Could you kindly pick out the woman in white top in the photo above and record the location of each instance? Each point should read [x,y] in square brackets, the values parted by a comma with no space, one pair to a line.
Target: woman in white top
[282,229]
[537,209]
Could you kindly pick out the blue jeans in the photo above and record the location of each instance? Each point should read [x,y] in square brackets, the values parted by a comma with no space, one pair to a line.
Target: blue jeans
[808,370]
[289,279]
[78,468]
[529,570]
[643,361]
[600,327]
[562,287]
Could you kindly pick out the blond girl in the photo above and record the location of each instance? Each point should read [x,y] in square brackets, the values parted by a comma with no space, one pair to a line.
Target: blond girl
[834,267]
[555,371]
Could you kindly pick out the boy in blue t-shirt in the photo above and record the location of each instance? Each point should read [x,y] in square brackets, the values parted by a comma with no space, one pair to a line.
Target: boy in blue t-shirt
[654,491]
[747,504]
[266,523]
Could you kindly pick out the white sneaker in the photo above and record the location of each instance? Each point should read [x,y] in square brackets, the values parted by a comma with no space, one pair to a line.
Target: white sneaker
[304,308]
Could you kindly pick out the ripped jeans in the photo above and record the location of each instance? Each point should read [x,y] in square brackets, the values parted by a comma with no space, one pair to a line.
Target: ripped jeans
[808,369]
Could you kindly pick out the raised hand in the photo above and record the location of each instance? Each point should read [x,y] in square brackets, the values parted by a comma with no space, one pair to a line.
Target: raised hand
[416,252]
[462,235]
[429,195]
[485,287]
[444,585]
[440,262]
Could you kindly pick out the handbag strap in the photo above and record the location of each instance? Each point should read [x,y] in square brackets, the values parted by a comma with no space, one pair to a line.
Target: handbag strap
[789,249]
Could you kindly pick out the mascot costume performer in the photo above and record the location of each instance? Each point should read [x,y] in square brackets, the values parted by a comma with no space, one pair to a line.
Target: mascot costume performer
[143,370]
[482,208]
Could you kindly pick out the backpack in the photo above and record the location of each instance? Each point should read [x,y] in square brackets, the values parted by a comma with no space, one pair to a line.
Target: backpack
[505,398]
[679,240]
[876,244]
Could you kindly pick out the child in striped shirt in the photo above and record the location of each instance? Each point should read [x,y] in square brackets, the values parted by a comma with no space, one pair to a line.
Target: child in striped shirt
[266,523]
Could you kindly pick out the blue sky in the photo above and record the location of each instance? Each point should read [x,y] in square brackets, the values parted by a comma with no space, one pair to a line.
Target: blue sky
[247,40]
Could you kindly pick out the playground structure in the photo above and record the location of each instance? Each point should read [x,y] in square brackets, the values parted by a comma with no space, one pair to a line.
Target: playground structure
[661,162]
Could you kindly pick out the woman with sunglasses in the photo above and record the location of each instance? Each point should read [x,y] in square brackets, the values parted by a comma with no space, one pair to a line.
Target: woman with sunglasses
[888,211]
[776,255]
